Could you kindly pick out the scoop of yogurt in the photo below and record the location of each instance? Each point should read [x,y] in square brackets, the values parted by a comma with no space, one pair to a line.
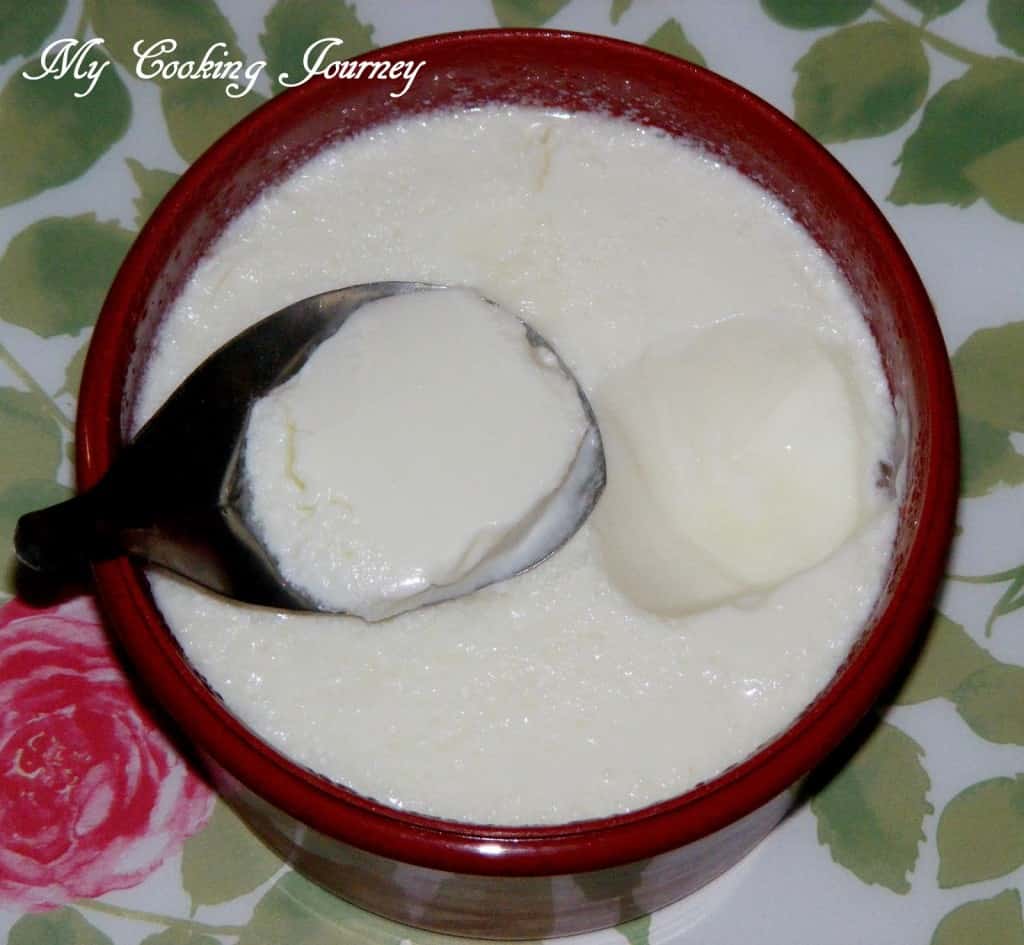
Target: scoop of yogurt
[410,446]
[735,461]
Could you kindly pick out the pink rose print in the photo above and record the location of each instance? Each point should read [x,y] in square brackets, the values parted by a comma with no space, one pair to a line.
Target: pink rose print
[93,797]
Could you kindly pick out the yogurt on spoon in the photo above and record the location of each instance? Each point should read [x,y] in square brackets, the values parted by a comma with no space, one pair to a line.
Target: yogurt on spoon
[418,442]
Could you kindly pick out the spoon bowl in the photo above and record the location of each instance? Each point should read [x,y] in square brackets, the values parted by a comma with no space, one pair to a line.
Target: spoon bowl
[176,496]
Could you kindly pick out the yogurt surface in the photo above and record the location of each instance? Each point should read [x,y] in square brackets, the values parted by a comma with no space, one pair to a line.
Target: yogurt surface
[561,694]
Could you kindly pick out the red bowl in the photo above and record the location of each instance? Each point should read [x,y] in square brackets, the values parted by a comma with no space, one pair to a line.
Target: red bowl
[525,881]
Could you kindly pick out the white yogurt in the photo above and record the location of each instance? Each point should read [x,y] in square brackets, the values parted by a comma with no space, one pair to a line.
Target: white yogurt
[408,450]
[558,695]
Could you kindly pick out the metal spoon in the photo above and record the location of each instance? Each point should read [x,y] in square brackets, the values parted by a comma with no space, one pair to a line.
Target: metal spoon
[175,495]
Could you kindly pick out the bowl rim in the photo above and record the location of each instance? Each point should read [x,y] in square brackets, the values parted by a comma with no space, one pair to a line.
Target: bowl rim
[518,851]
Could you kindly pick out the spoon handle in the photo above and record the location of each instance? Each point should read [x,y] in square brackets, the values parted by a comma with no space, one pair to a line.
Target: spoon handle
[63,538]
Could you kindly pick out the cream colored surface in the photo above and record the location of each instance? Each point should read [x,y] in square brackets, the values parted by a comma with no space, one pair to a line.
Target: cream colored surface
[408,448]
[551,697]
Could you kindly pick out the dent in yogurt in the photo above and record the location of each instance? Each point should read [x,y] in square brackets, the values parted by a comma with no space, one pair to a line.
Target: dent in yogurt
[574,690]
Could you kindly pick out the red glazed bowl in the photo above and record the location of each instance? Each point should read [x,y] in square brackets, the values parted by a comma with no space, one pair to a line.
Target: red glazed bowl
[531,882]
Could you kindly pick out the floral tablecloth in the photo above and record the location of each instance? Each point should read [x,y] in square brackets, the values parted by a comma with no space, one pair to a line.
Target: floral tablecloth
[914,835]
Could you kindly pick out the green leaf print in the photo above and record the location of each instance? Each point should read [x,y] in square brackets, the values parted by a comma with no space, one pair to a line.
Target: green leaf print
[296,910]
[179,935]
[670,38]
[619,8]
[73,372]
[637,932]
[225,860]
[810,14]
[995,921]
[195,26]
[986,692]
[26,25]
[32,439]
[60,927]
[292,25]
[966,119]
[988,369]
[153,185]
[32,456]
[947,658]
[987,458]
[860,82]
[991,701]
[198,113]
[870,814]
[1012,598]
[1007,18]
[48,137]
[999,178]
[981,832]
[516,13]
[56,272]
[933,8]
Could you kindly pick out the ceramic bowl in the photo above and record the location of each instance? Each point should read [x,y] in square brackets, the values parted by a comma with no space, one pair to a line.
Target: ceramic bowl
[530,882]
